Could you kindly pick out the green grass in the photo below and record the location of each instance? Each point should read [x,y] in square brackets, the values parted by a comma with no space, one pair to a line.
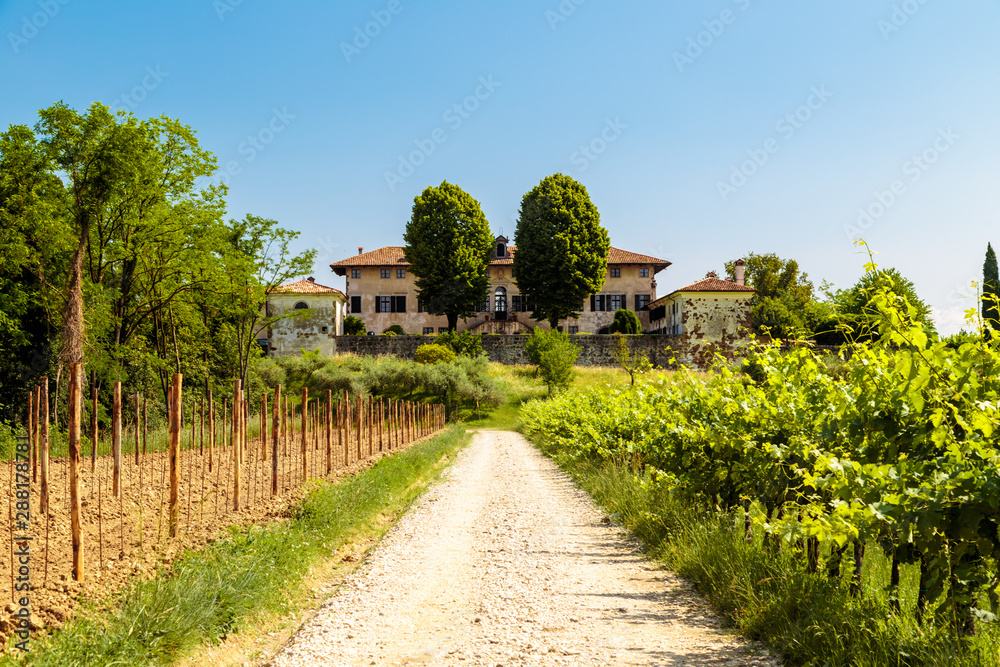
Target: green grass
[218,590]
[810,619]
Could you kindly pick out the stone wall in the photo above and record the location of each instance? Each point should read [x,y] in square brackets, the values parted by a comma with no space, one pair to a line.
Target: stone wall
[595,350]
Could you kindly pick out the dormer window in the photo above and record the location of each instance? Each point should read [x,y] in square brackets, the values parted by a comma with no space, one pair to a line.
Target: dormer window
[501,250]
[301,305]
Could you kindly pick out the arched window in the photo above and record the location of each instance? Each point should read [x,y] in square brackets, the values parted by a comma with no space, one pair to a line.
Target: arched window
[501,250]
[301,305]
[500,300]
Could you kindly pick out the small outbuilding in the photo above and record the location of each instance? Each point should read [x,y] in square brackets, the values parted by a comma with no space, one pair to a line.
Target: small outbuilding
[315,315]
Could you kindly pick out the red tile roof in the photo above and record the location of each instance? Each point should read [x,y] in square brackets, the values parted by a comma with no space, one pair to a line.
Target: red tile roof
[307,287]
[715,285]
[393,256]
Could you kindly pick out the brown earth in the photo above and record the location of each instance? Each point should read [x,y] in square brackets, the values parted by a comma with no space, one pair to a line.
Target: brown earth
[129,537]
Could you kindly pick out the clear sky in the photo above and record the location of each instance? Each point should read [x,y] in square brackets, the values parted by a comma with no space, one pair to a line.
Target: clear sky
[703,130]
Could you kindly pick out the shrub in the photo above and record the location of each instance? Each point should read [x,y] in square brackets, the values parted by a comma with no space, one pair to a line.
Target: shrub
[353,326]
[432,353]
[634,362]
[395,330]
[626,322]
[466,344]
[554,354]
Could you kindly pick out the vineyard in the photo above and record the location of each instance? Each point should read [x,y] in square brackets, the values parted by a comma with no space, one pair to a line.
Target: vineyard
[891,451]
[126,500]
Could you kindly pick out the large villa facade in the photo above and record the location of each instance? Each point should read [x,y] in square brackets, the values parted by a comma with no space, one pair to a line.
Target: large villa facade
[381,292]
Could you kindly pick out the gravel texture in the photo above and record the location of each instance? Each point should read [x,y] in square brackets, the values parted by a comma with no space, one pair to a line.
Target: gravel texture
[507,562]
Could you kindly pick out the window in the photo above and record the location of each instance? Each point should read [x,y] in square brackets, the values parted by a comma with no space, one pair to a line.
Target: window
[428,330]
[400,273]
[616,273]
[643,273]
[326,329]
[600,303]
[641,302]
[420,306]
[383,273]
[301,305]
[574,330]
[442,329]
[483,306]
[616,301]
[355,304]
[355,273]
[518,304]
[487,272]
[501,250]
[391,304]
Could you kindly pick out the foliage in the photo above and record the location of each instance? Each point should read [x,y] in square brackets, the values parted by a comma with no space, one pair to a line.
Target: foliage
[625,322]
[859,307]
[991,289]
[562,249]
[633,362]
[779,307]
[466,344]
[554,353]
[432,353]
[395,330]
[899,449]
[448,246]
[353,326]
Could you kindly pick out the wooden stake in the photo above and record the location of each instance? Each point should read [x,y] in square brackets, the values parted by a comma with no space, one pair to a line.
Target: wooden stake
[75,389]
[116,440]
[35,435]
[175,443]
[274,439]
[211,432]
[93,430]
[43,444]
[305,433]
[236,449]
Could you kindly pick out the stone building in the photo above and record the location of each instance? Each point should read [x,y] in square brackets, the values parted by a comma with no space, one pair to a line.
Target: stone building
[708,317]
[382,292]
[319,317]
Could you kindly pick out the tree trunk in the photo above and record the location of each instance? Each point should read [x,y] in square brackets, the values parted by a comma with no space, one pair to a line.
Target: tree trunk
[73,324]
[452,321]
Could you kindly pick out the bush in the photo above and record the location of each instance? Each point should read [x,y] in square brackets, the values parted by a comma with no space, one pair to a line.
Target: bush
[394,330]
[554,354]
[353,326]
[465,344]
[626,322]
[433,353]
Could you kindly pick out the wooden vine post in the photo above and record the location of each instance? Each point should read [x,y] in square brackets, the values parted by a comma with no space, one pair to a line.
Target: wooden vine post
[274,439]
[211,432]
[116,440]
[263,426]
[236,445]
[137,460]
[329,432]
[43,443]
[35,435]
[75,405]
[175,443]
[93,429]
[304,434]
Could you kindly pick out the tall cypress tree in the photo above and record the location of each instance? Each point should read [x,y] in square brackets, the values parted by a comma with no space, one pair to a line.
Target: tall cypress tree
[991,289]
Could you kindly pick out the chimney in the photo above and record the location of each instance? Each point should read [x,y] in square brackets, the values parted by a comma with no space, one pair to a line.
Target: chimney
[361,249]
[739,272]
[311,279]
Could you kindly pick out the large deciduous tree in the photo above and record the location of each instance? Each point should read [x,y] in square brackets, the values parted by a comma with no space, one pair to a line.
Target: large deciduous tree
[562,249]
[781,307]
[991,290]
[448,246]
[858,309]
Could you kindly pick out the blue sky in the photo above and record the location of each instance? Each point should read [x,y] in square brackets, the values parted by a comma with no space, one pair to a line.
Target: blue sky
[702,130]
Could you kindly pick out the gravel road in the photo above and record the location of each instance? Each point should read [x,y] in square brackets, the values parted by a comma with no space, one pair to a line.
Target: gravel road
[506,562]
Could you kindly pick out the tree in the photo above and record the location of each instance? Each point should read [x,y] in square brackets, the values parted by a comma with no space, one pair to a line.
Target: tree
[633,362]
[780,308]
[625,322]
[861,317]
[448,246]
[353,326]
[562,249]
[991,290]
[555,354]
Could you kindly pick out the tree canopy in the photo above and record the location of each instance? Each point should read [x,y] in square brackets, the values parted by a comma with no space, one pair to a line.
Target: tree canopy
[448,246]
[781,307]
[562,249]
[859,313]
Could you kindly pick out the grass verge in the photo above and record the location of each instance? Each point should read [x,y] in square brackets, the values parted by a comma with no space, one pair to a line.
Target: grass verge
[216,591]
[809,619]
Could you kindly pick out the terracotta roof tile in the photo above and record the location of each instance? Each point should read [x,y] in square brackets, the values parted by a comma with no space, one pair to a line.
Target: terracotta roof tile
[307,287]
[714,285]
[393,256]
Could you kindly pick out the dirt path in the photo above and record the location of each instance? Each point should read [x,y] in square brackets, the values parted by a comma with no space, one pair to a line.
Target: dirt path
[506,562]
